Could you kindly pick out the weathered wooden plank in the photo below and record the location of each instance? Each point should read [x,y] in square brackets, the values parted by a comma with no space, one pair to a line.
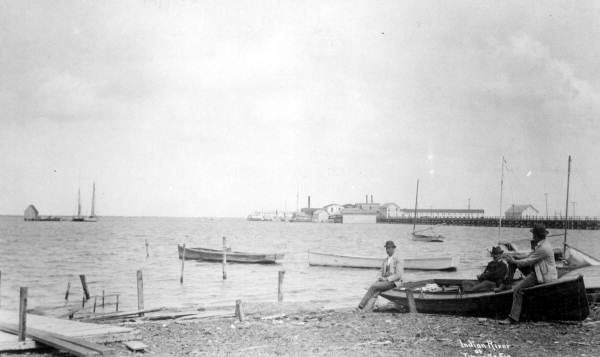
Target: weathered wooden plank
[49,340]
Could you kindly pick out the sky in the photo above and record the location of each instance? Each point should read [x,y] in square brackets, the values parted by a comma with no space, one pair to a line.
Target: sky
[212,108]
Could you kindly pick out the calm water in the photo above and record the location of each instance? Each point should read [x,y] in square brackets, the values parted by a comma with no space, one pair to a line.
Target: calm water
[45,256]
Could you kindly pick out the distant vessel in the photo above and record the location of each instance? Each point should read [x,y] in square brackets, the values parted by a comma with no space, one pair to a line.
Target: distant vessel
[92,217]
[420,235]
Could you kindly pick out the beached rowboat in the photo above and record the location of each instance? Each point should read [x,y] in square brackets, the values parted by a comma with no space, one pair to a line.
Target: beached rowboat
[214,255]
[349,261]
[563,299]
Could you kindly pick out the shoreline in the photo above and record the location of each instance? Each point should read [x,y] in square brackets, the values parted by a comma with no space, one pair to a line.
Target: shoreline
[292,329]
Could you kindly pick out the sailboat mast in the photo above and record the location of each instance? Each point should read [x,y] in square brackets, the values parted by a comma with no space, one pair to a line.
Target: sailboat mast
[78,202]
[416,200]
[500,208]
[92,213]
[567,207]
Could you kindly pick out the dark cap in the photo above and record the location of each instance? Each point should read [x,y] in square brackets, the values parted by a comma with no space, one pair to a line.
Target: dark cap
[390,243]
[539,230]
[496,251]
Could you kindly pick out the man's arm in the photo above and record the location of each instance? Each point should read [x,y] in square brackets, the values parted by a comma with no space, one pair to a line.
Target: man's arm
[535,257]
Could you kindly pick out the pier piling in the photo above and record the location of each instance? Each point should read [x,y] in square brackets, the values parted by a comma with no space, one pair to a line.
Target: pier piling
[280,286]
[67,292]
[239,311]
[86,292]
[140,291]
[182,263]
[147,254]
[22,313]
[224,258]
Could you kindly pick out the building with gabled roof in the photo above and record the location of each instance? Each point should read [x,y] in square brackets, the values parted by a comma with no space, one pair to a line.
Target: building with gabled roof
[520,211]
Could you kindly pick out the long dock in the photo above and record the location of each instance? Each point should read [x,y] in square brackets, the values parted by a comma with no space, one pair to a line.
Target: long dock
[554,223]
[88,331]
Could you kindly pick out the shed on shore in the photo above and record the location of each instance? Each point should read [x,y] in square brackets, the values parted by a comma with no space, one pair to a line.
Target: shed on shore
[31,213]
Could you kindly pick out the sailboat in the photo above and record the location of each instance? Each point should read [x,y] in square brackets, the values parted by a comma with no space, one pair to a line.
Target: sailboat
[572,258]
[79,217]
[92,217]
[420,235]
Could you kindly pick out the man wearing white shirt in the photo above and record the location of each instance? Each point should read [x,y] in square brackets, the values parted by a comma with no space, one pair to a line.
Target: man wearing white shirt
[391,277]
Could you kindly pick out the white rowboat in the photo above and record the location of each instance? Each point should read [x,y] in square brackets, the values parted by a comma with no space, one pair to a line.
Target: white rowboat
[349,261]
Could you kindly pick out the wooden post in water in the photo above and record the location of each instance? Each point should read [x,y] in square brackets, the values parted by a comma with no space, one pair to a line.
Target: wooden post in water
[22,313]
[140,291]
[0,287]
[182,263]
[239,312]
[102,299]
[224,258]
[67,292]
[86,293]
[117,306]
[280,286]
[95,299]
[412,308]
[147,255]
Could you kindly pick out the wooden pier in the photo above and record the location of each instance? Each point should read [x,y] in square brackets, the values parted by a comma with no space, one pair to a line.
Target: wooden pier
[89,331]
[587,223]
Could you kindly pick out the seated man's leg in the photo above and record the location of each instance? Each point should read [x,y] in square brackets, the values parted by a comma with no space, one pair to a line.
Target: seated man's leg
[375,289]
[515,311]
[485,285]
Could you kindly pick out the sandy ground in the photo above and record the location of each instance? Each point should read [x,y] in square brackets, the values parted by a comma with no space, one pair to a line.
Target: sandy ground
[292,330]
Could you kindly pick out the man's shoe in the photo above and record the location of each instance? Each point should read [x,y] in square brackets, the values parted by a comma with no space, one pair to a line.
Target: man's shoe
[507,321]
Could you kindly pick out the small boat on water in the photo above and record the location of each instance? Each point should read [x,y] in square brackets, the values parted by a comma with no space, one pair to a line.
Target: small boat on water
[349,261]
[563,299]
[215,255]
[420,235]
[92,217]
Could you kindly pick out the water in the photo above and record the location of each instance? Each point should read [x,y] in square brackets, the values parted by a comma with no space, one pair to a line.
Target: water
[45,256]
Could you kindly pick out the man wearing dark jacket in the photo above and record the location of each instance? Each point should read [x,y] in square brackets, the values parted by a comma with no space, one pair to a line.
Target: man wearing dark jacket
[493,275]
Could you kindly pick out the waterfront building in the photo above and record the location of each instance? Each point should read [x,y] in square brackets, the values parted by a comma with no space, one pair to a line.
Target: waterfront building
[31,213]
[521,211]
[389,210]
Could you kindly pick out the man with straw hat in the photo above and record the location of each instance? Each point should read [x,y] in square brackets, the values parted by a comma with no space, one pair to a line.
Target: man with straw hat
[391,277]
[544,269]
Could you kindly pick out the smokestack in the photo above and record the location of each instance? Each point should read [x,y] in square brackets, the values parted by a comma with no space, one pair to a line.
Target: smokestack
[366,198]
[309,202]
[371,198]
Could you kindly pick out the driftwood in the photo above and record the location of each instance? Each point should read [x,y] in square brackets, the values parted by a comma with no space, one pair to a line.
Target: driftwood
[116,315]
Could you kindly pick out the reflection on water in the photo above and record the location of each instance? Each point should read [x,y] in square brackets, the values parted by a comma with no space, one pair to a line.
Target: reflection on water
[45,256]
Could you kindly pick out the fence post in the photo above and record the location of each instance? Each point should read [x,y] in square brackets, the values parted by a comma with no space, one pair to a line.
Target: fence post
[140,291]
[22,313]
[224,258]
[182,263]
[86,293]
[280,286]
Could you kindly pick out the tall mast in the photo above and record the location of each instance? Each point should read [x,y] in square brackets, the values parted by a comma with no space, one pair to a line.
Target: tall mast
[567,207]
[78,202]
[92,214]
[416,200]
[500,208]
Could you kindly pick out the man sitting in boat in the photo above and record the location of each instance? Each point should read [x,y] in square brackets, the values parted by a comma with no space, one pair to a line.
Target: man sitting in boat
[544,269]
[391,277]
[493,275]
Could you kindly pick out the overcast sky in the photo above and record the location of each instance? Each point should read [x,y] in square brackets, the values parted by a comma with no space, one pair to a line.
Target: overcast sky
[212,108]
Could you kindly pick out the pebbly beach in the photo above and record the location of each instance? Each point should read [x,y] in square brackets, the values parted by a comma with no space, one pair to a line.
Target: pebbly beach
[312,330]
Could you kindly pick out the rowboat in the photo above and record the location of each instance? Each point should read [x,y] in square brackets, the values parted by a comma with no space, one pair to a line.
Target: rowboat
[214,255]
[349,261]
[427,237]
[563,299]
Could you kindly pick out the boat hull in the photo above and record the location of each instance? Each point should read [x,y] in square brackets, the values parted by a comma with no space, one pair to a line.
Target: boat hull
[213,255]
[564,299]
[348,261]
[427,238]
